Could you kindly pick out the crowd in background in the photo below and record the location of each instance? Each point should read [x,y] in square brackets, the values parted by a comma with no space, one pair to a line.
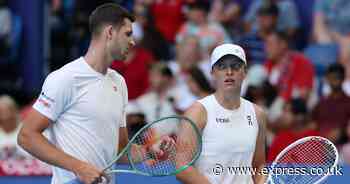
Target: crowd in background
[298,72]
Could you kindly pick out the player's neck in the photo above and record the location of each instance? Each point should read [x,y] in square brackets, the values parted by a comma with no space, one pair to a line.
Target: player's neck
[228,101]
[337,92]
[203,94]
[96,57]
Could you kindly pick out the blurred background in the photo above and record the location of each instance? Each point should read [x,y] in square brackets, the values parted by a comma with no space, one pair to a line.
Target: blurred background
[298,55]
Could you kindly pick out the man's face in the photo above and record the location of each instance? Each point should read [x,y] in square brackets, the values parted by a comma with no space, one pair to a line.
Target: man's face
[121,41]
[196,16]
[156,79]
[274,47]
[229,73]
[335,80]
[188,53]
[8,115]
[267,22]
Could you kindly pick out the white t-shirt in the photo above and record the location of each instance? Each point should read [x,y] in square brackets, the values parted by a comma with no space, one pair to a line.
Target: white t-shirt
[87,110]
[155,107]
[180,91]
[8,139]
[229,140]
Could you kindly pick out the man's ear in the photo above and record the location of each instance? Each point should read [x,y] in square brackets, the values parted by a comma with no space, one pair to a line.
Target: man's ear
[108,30]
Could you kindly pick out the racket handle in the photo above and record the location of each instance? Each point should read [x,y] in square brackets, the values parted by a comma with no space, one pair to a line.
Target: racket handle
[75,181]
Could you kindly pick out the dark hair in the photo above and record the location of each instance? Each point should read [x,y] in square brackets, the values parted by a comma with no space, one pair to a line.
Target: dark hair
[108,13]
[268,8]
[230,57]
[200,5]
[336,68]
[282,35]
[298,106]
[200,79]
[163,69]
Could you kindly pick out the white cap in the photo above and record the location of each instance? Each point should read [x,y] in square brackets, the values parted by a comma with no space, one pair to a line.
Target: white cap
[227,49]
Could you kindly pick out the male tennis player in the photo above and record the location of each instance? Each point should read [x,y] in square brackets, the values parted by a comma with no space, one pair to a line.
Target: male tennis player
[82,105]
[233,130]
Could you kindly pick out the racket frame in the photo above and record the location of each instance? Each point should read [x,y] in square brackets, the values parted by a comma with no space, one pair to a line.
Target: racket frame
[128,147]
[300,141]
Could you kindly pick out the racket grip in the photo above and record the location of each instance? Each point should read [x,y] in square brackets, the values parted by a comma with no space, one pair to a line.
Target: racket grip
[75,181]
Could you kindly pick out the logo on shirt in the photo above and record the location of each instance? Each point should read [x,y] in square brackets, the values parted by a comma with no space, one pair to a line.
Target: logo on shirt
[47,97]
[250,122]
[115,88]
[45,103]
[222,120]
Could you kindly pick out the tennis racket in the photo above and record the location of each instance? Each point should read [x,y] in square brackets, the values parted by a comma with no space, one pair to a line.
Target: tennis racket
[184,150]
[309,160]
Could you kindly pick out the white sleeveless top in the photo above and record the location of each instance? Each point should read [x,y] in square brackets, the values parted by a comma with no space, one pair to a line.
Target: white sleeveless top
[229,140]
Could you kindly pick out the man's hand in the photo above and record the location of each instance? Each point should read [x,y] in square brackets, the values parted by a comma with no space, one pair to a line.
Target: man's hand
[89,174]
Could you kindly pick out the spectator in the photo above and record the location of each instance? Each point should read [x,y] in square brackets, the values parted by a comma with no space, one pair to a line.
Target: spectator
[228,14]
[168,17]
[188,54]
[332,113]
[9,122]
[332,25]
[210,33]
[13,159]
[253,41]
[198,83]
[255,86]
[149,36]
[295,123]
[156,102]
[289,71]
[287,21]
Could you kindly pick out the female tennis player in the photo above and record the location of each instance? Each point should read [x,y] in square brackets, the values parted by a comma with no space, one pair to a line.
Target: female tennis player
[233,130]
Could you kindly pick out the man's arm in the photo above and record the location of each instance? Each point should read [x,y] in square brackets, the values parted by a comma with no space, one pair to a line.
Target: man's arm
[197,114]
[31,139]
[259,159]
[123,141]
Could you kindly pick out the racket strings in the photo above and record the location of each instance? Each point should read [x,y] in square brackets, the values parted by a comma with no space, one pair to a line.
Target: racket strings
[175,155]
[312,158]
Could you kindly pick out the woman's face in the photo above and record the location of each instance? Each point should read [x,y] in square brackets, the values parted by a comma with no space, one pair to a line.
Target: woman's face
[229,75]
